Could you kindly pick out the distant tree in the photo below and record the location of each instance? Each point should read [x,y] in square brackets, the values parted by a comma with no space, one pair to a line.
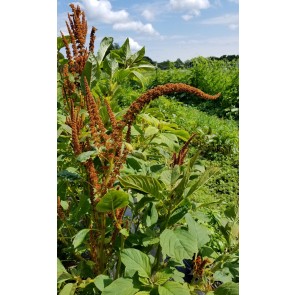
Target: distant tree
[164,65]
[150,60]
[188,63]
[179,64]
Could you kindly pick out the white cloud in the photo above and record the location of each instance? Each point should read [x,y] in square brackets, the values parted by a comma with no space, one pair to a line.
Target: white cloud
[102,11]
[191,7]
[188,5]
[148,14]
[135,26]
[134,46]
[233,26]
[187,17]
[231,20]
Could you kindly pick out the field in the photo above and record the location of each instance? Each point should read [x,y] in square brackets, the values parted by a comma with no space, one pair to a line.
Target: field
[147,171]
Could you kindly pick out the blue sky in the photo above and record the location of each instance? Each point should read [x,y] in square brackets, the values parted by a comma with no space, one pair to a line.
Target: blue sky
[169,29]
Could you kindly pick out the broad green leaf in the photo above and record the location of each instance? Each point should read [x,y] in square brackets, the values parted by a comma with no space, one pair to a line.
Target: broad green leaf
[110,66]
[173,288]
[161,277]
[169,177]
[138,76]
[83,157]
[137,56]
[80,236]
[105,44]
[146,184]
[124,232]
[136,260]
[151,215]
[179,244]
[182,134]
[150,241]
[64,277]
[121,286]
[224,275]
[195,184]
[68,289]
[199,231]
[102,281]
[149,119]
[112,200]
[150,131]
[229,288]
[143,293]
[62,274]
[164,139]
[177,215]
[60,268]
[91,71]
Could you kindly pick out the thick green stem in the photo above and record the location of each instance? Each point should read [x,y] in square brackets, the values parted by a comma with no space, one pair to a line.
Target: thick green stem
[102,248]
[118,271]
[157,256]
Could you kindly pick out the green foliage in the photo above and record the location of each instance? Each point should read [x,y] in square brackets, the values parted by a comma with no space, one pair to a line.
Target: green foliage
[213,76]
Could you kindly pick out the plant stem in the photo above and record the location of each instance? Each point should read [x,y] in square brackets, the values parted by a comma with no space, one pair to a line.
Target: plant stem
[103,230]
[119,259]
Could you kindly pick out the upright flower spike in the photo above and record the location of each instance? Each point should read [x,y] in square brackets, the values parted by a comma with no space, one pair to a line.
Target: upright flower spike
[92,39]
[179,159]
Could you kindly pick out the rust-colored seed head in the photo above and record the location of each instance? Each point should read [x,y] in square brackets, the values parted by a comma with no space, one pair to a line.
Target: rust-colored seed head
[92,39]
[154,93]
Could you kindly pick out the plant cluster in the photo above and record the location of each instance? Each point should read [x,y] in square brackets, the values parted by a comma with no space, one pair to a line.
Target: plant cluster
[125,182]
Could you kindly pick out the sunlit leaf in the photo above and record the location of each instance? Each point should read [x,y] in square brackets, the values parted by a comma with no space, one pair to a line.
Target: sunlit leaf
[136,260]
[112,200]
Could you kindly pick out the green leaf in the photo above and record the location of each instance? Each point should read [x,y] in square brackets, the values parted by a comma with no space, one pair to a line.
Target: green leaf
[123,53]
[224,275]
[151,215]
[102,281]
[161,277]
[173,288]
[150,241]
[124,232]
[164,139]
[68,289]
[121,286]
[150,131]
[146,184]
[60,268]
[229,288]
[83,157]
[91,71]
[105,44]
[62,274]
[80,236]
[182,134]
[195,184]
[179,244]
[199,231]
[139,77]
[110,66]
[136,260]
[169,177]
[177,215]
[137,56]
[143,293]
[112,200]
